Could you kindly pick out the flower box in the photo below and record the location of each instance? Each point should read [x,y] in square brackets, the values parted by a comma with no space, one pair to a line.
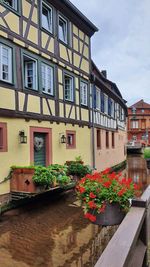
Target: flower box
[105,196]
[112,215]
[21,180]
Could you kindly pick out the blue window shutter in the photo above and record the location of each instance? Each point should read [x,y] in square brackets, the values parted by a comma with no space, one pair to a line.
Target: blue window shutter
[109,106]
[94,97]
[102,102]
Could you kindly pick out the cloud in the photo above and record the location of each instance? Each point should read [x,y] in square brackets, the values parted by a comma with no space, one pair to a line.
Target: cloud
[122,44]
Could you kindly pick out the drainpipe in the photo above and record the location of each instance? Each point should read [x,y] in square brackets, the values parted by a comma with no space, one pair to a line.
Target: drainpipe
[93,132]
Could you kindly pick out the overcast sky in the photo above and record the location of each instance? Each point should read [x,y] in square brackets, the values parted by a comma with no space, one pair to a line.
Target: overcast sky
[122,45]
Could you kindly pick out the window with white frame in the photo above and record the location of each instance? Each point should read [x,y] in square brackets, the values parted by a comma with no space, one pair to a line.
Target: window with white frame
[11,3]
[113,108]
[5,63]
[84,92]
[63,29]
[98,95]
[134,124]
[30,72]
[122,114]
[105,104]
[47,17]
[47,79]
[68,87]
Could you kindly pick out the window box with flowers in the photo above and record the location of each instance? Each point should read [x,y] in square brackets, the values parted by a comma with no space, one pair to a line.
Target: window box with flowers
[105,197]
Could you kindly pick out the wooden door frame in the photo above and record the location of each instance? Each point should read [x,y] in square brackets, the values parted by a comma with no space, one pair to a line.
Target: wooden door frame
[48,143]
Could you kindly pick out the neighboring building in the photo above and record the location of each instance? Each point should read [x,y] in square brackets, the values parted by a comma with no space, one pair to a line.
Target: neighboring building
[45,96]
[139,122]
[109,120]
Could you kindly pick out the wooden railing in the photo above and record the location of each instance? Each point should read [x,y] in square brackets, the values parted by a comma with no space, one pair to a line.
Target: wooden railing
[129,245]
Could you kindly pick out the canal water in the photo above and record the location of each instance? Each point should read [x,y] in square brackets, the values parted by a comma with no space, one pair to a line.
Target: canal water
[53,233]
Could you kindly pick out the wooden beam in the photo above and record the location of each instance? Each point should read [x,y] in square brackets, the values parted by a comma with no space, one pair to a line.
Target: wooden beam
[118,251]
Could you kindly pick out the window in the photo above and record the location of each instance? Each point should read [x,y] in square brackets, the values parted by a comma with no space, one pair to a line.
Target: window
[102,102]
[107,139]
[109,106]
[142,110]
[97,98]
[30,72]
[113,140]
[134,137]
[71,139]
[83,91]
[134,124]
[47,79]
[143,124]
[46,17]
[98,139]
[63,30]
[11,3]
[5,63]
[133,110]
[122,114]
[68,87]
[113,109]
[105,104]
[3,137]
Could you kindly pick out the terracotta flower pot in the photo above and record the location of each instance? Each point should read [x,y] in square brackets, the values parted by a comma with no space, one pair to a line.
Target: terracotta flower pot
[112,215]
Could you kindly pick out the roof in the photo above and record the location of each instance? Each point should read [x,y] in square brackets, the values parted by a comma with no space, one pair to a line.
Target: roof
[112,84]
[74,15]
[79,13]
[140,104]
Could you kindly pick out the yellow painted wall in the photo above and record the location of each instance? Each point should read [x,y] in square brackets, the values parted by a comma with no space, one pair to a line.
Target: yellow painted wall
[19,154]
[108,157]
[7,98]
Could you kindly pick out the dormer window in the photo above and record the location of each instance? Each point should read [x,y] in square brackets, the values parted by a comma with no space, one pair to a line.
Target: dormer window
[133,110]
[46,17]
[11,3]
[63,30]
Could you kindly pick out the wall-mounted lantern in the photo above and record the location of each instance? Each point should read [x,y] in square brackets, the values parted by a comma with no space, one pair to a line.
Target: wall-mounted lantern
[62,139]
[22,137]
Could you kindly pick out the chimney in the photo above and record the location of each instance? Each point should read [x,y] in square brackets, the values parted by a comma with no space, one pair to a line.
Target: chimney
[104,72]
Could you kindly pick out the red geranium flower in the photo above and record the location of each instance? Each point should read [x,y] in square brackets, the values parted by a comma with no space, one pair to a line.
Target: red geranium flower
[91,204]
[92,195]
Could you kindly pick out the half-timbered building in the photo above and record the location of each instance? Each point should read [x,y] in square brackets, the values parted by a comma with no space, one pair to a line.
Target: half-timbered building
[109,112]
[45,58]
[54,102]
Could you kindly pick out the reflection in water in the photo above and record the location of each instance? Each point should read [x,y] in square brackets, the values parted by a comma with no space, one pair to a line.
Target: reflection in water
[53,233]
[137,170]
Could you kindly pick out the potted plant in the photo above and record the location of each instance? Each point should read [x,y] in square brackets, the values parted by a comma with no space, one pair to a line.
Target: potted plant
[147,156]
[78,170]
[105,197]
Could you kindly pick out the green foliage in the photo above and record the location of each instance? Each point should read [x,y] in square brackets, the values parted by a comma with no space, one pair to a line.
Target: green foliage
[146,153]
[78,169]
[78,158]
[13,167]
[58,169]
[54,173]
[63,180]
[43,176]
